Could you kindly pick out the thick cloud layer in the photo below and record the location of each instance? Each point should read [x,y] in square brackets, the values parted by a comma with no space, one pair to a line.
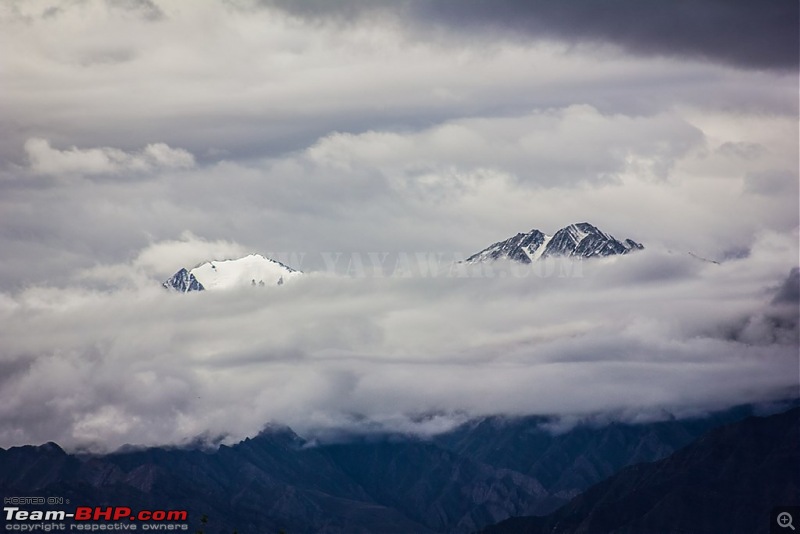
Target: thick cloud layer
[639,336]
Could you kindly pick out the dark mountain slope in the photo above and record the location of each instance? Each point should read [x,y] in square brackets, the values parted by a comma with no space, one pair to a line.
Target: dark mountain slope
[264,484]
[568,463]
[434,486]
[726,481]
[480,473]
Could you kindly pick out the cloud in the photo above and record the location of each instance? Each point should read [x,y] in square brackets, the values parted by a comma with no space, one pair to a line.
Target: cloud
[160,260]
[453,187]
[250,83]
[741,33]
[45,159]
[140,365]
[789,292]
[556,147]
[772,182]
[146,9]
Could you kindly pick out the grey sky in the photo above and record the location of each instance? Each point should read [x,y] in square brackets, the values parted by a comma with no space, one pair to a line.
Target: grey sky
[144,136]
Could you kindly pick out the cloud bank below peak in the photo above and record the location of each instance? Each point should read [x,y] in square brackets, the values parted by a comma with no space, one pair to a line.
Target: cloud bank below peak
[651,333]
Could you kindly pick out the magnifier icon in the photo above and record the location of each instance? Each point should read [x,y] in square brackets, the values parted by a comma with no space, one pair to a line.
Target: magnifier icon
[785,520]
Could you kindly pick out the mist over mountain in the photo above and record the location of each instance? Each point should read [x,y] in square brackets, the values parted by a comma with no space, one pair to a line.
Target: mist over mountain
[480,473]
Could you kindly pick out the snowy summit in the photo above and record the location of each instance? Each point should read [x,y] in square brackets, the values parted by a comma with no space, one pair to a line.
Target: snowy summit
[253,270]
[580,240]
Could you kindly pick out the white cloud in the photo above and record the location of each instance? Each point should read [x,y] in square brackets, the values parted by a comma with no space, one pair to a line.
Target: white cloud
[161,259]
[44,159]
[555,147]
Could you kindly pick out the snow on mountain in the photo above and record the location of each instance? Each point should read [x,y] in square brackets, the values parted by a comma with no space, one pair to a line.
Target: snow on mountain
[580,240]
[253,270]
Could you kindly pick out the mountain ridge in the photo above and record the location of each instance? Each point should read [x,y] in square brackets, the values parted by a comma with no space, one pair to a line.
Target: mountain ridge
[579,240]
[488,470]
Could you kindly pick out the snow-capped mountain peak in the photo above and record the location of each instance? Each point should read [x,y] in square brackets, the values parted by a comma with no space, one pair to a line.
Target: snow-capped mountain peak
[251,270]
[579,240]
[522,248]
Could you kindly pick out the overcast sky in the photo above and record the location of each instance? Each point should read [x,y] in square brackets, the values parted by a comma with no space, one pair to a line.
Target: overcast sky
[142,136]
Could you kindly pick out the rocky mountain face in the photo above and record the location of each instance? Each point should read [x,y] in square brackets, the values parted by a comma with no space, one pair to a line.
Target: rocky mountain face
[183,282]
[478,474]
[729,480]
[580,240]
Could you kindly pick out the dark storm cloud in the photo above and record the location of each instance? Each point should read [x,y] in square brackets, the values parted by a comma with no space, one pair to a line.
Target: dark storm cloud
[761,35]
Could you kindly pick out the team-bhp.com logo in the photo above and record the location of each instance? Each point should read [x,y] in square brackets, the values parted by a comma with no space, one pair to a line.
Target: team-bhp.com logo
[116,513]
[95,518]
